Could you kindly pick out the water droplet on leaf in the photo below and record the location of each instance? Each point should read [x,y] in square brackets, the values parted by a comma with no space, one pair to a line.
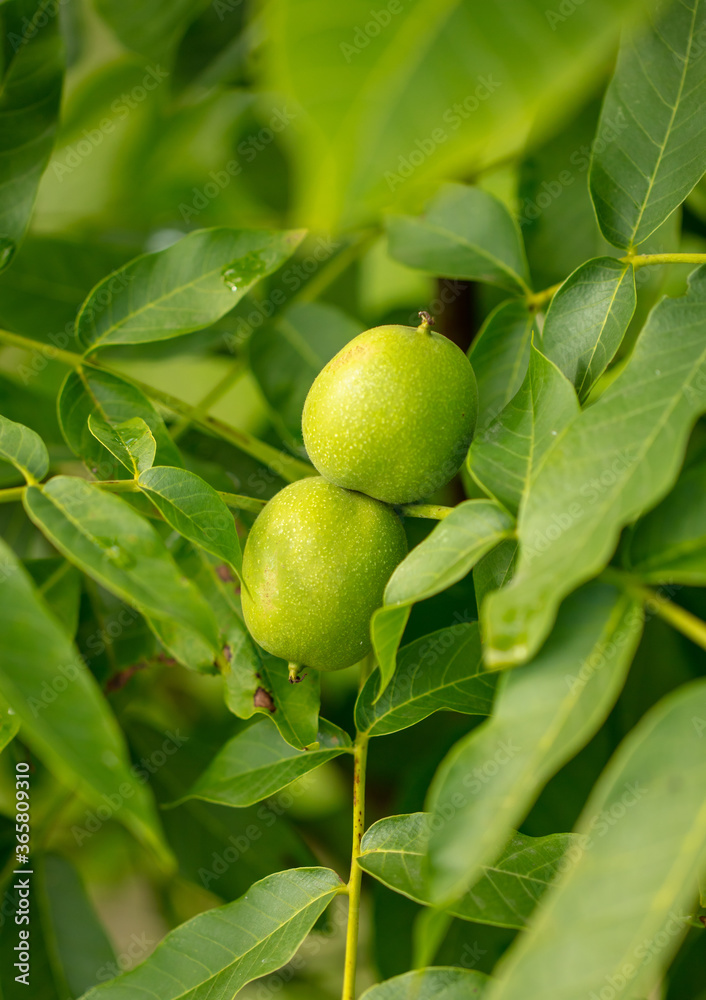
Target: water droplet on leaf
[246,269]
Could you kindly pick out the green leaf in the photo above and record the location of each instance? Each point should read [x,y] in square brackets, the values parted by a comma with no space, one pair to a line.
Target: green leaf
[394,851]
[505,456]
[465,233]
[195,510]
[91,392]
[59,583]
[9,724]
[643,171]
[500,355]
[380,124]
[626,896]
[555,211]
[587,320]
[287,355]
[186,646]
[131,442]
[64,717]
[152,27]
[668,545]
[30,94]
[257,682]
[218,952]
[435,983]
[442,559]
[70,927]
[495,569]
[254,681]
[106,538]
[544,713]
[440,672]
[49,279]
[24,448]
[258,762]
[386,630]
[615,459]
[184,288]
[446,555]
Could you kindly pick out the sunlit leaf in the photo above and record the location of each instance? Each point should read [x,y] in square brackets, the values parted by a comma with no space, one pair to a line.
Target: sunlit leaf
[627,893]
[131,442]
[643,169]
[507,891]
[668,545]
[441,671]
[444,557]
[106,538]
[184,288]
[500,355]
[505,456]
[616,458]
[544,713]
[258,762]
[151,27]
[382,110]
[24,448]
[587,320]
[91,392]
[440,983]
[195,510]
[465,233]
[62,712]
[31,78]
[218,952]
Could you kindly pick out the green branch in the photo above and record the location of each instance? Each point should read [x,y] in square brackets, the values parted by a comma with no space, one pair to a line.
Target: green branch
[12,493]
[644,259]
[284,465]
[679,618]
[537,300]
[434,512]
[360,760]
[655,602]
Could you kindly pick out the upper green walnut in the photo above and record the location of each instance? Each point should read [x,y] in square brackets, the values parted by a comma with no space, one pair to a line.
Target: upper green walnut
[392,414]
[315,567]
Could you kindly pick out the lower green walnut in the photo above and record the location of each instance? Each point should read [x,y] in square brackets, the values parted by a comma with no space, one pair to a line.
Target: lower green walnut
[315,567]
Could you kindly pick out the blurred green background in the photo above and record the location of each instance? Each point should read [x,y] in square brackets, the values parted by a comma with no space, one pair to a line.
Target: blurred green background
[291,113]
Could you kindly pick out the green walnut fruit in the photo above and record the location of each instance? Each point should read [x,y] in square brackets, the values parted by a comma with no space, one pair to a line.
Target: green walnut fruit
[392,414]
[315,567]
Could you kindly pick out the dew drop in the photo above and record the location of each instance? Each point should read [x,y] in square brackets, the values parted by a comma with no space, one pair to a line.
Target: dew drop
[658,371]
[232,278]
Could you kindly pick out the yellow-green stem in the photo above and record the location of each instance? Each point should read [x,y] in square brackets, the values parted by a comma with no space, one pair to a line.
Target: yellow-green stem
[644,259]
[235,370]
[679,618]
[12,493]
[360,758]
[434,512]
[46,350]
[537,300]
[118,485]
[284,465]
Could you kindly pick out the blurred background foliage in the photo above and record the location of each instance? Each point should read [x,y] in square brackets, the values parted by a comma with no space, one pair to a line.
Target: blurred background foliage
[290,113]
